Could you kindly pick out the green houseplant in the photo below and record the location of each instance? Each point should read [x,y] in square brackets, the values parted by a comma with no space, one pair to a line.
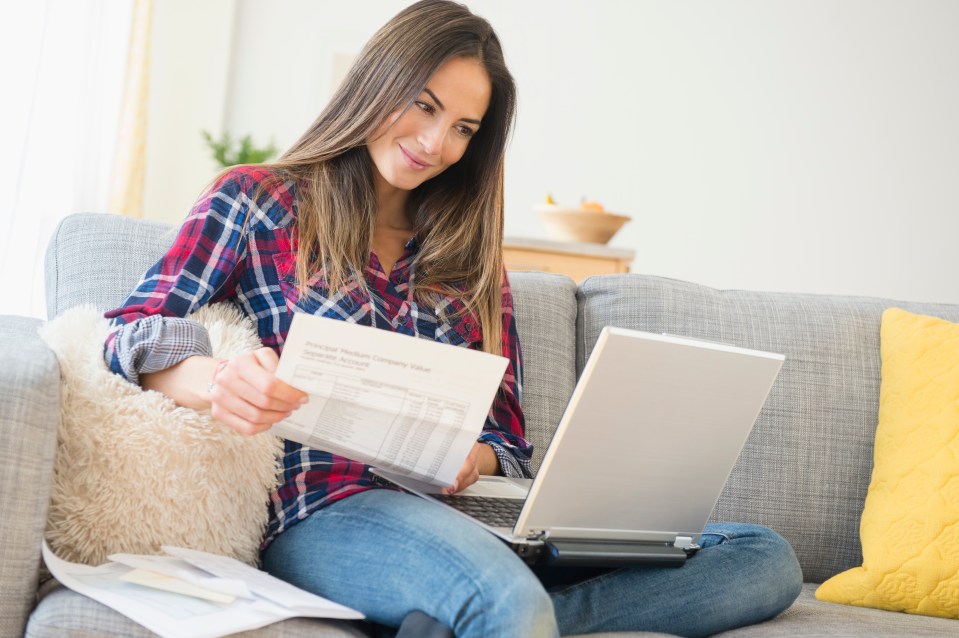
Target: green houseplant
[229,152]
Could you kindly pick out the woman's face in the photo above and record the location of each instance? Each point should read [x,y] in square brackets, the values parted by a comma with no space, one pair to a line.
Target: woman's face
[421,142]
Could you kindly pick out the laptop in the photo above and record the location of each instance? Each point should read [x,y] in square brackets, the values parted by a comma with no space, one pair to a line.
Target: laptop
[638,461]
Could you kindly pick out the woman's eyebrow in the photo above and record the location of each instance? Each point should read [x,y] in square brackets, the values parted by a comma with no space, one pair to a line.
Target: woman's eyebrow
[443,108]
[435,99]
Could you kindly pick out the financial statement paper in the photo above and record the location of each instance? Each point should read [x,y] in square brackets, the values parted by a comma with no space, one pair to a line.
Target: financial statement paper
[407,405]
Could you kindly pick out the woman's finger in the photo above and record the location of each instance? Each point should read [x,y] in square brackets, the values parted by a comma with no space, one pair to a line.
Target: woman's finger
[246,376]
[468,474]
[227,402]
[238,423]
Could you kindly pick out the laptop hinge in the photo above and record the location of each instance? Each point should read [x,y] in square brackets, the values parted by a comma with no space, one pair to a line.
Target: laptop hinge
[684,542]
[612,554]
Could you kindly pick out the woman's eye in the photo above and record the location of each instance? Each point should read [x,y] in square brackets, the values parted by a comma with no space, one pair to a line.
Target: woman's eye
[465,131]
[425,106]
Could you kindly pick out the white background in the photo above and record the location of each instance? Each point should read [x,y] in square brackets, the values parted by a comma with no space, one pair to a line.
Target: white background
[804,146]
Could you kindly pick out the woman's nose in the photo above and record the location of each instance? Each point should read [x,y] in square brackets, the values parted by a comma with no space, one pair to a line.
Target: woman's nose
[430,139]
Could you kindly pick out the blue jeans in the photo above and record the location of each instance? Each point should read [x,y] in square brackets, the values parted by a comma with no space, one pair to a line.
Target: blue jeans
[387,553]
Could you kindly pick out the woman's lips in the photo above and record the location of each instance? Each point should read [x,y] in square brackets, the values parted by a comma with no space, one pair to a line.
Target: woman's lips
[412,161]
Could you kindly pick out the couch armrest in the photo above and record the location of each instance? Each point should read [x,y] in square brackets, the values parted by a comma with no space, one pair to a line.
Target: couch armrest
[29,407]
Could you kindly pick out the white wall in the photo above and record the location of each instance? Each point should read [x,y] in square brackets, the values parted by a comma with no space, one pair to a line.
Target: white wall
[190,58]
[802,145]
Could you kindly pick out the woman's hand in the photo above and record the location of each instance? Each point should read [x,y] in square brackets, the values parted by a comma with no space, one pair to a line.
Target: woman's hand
[480,460]
[247,396]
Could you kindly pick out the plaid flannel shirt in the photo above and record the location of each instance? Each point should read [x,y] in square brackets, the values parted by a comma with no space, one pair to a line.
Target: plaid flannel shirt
[232,248]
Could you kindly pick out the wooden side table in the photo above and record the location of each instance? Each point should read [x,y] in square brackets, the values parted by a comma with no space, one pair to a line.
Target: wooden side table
[577,260]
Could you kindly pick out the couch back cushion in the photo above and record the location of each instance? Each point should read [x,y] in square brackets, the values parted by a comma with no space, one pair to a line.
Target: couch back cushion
[545,309]
[98,259]
[805,469]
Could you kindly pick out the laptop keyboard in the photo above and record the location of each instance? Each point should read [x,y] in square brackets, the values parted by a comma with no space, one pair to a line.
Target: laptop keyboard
[495,512]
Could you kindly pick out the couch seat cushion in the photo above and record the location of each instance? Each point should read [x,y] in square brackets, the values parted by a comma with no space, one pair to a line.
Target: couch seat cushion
[810,617]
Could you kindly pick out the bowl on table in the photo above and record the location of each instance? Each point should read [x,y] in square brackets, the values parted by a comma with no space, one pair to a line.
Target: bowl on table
[578,225]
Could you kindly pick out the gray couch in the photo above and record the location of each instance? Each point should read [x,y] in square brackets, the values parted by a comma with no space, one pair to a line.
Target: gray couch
[804,471]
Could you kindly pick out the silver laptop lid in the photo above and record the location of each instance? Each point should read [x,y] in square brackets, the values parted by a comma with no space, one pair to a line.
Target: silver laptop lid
[660,421]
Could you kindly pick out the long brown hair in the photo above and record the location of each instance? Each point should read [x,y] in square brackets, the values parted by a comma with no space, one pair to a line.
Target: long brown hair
[458,215]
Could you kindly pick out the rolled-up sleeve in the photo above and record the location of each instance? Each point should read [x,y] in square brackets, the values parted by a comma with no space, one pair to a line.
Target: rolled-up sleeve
[155,343]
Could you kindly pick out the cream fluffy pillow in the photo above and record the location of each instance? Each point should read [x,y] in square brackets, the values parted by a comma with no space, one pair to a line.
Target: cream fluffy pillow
[134,471]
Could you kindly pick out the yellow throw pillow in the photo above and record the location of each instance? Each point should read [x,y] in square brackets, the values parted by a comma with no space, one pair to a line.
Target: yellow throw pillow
[910,522]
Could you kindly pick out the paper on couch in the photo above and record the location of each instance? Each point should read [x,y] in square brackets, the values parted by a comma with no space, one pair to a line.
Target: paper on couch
[174,615]
[411,406]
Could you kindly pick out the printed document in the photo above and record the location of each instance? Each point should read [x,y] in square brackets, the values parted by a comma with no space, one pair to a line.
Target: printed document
[411,406]
[191,594]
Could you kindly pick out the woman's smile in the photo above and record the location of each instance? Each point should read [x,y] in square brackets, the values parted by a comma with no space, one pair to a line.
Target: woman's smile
[413,161]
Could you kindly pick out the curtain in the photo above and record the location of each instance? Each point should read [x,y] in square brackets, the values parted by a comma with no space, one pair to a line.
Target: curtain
[66,61]
[129,164]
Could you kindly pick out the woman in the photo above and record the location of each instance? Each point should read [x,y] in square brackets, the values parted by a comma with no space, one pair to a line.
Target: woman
[389,212]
